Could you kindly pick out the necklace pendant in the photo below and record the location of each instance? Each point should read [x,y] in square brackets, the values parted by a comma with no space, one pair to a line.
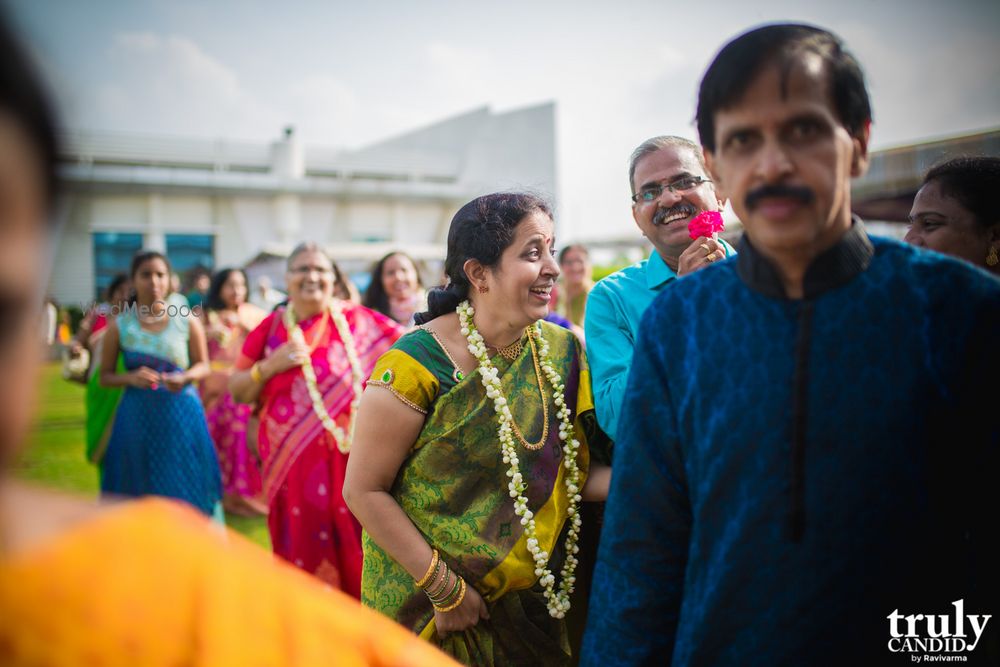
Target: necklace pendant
[513,351]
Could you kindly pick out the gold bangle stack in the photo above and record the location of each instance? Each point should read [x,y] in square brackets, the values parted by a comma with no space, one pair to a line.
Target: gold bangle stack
[435,584]
[426,579]
[457,599]
[255,373]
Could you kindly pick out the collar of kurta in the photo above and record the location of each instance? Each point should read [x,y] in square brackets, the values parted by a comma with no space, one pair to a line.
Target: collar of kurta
[657,271]
[837,266]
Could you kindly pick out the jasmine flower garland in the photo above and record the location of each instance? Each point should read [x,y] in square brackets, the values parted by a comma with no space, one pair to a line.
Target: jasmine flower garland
[557,601]
[342,439]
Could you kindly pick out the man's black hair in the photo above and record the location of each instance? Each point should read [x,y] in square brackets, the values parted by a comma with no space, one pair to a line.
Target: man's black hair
[741,60]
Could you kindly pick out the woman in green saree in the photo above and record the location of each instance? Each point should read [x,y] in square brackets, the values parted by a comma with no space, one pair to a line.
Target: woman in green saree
[101,401]
[472,451]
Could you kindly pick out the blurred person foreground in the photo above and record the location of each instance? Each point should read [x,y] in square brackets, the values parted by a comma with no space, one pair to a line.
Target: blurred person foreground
[148,582]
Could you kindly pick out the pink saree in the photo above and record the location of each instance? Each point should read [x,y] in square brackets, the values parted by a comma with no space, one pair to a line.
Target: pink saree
[227,419]
[303,471]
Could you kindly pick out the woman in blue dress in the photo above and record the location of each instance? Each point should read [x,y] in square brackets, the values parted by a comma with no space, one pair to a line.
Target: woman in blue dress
[160,443]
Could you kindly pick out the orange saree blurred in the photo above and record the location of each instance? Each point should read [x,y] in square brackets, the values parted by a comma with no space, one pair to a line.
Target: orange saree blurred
[154,583]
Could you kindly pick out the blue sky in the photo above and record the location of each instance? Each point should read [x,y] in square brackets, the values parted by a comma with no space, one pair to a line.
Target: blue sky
[349,74]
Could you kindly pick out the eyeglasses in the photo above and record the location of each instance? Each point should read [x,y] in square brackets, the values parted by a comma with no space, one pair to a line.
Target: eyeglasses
[681,185]
[306,270]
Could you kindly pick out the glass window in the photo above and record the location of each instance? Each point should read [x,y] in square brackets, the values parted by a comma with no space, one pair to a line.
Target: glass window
[187,251]
[113,254]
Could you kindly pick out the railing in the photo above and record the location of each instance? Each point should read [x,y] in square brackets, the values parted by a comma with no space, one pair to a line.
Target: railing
[148,151]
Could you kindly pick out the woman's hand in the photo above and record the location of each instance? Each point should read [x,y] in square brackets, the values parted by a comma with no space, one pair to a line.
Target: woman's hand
[144,378]
[464,616]
[175,381]
[288,355]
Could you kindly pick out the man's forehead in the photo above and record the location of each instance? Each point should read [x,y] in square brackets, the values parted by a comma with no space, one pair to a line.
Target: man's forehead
[779,83]
[668,162]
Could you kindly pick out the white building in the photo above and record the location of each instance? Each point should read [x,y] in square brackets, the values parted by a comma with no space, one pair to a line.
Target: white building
[221,203]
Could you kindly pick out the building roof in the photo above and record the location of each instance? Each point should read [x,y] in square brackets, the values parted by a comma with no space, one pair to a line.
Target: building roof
[894,175]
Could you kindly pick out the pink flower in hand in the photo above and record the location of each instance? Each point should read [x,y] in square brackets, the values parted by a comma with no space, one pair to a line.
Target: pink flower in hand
[705,224]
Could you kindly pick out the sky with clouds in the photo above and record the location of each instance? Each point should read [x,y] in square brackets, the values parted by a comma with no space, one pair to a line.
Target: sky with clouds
[348,74]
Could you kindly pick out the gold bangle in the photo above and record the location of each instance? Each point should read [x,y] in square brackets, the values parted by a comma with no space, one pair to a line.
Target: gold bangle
[435,591]
[456,603]
[255,374]
[449,597]
[426,579]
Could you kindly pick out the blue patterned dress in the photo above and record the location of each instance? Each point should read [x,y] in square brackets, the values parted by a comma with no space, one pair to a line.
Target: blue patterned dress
[160,443]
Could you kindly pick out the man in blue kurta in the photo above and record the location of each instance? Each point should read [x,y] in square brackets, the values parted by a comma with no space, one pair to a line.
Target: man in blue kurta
[805,466]
[670,186]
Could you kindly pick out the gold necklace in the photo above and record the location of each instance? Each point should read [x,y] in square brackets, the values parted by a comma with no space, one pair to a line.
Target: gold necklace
[545,403]
[512,351]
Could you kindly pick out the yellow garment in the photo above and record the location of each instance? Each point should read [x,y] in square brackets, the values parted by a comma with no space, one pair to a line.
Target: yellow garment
[153,583]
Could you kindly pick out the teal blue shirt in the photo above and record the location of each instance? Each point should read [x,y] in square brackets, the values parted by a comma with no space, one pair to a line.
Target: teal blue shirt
[614,309]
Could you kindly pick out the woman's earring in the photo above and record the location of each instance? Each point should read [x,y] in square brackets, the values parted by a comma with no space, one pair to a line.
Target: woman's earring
[483,289]
[991,257]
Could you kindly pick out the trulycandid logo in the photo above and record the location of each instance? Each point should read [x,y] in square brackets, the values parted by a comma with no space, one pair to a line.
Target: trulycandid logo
[936,637]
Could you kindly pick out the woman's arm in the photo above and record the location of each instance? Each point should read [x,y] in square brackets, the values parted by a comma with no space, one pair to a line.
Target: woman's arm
[597,484]
[245,388]
[385,431]
[198,354]
[82,335]
[144,377]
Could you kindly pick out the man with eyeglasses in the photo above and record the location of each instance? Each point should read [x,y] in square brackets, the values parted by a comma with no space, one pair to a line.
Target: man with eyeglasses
[808,447]
[670,186]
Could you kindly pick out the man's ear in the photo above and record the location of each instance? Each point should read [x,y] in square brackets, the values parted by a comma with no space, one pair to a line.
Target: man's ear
[475,272]
[635,216]
[859,158]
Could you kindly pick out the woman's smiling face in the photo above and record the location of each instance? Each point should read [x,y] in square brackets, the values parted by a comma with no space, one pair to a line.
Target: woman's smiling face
[399,277]
[309,279]
[520,285]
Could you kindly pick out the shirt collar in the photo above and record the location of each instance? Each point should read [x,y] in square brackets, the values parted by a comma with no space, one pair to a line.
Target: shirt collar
[836,266]
[657,271]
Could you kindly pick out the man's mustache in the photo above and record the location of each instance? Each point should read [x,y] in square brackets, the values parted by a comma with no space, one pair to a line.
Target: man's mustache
[664,213]
[799,192]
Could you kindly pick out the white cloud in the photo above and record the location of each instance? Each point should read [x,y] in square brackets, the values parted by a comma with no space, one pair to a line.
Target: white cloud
[138,41]
[325,110]
[170,83]
[618,74]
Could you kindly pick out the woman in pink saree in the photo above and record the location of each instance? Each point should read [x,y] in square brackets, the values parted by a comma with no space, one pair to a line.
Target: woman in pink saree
[228,319]
[304,366]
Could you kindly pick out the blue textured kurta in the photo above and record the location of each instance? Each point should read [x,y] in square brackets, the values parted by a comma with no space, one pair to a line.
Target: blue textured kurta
[706,555]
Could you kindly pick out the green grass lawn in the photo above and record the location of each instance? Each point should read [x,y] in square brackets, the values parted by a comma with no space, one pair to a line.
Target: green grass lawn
[54,455]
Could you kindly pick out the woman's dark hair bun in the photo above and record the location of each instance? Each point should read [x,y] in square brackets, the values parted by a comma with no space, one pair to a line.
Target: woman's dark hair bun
[481,230]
